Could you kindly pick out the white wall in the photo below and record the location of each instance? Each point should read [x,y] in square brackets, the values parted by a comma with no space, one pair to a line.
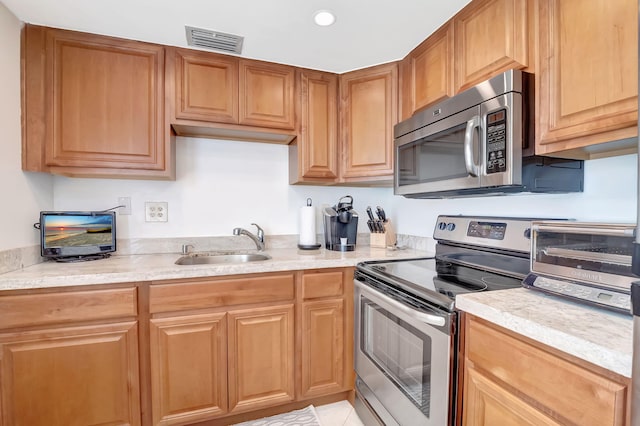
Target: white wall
[224,184]
[23,195]
[219,185]
[609,196]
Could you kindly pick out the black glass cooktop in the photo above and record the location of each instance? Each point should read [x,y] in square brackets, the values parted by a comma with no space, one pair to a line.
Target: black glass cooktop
[439,280]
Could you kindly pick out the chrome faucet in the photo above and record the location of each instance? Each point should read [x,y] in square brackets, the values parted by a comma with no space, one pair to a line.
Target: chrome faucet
[258,239]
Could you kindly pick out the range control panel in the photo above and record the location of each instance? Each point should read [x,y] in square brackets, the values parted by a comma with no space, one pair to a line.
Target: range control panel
[497,142]
[508,233]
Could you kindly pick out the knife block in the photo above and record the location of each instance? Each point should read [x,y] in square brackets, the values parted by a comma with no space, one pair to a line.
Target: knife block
[384,239]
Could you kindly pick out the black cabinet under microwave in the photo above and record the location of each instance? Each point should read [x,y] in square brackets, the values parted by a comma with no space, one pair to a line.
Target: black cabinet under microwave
[479,142]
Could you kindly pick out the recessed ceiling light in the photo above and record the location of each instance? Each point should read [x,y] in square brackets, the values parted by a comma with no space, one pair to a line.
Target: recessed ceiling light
[324,18]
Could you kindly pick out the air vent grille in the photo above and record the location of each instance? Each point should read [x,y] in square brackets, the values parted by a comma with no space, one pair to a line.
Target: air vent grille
[214,40]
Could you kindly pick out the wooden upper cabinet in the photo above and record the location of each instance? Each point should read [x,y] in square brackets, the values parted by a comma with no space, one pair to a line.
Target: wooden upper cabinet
[314,156]
[206,86]
[491,36]
[427,72]
[93,105]
[368,112]
[267,94]
[587,84]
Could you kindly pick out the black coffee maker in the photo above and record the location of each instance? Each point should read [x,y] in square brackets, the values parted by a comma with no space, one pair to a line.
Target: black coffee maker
[341,225]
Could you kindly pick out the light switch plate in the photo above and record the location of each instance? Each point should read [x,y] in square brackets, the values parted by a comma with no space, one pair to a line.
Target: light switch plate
[156,211]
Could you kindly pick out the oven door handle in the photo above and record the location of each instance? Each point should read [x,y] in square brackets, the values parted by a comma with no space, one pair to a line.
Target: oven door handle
[472,168]
[424,317]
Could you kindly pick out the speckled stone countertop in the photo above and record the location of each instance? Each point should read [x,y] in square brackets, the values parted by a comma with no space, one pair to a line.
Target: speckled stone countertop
[153,267]
[598,336]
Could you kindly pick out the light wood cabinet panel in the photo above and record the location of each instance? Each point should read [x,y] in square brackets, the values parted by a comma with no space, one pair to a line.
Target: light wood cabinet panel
[491,36]
[525,373]
[206,86]
[369,110]
[70,376]
[487,404]
[261,345]
[94,106]
[587,85]
[427,72]
[267,95]
[323,345]
[203,293]
[313,157]
[188,368]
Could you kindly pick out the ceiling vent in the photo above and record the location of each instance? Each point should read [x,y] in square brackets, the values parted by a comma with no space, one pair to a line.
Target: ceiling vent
[214,40]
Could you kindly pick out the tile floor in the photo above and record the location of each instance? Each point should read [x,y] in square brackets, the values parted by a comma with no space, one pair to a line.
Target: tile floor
[338,414]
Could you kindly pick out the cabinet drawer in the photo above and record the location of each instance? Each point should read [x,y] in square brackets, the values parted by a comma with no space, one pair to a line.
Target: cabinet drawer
[322,284]
[49,308]
[575,393]
[211,293]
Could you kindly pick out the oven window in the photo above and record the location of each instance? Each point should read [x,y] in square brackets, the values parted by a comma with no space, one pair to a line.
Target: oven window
[399,350]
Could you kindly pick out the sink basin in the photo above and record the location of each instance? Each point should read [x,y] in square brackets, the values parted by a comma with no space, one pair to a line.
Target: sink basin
[213,259]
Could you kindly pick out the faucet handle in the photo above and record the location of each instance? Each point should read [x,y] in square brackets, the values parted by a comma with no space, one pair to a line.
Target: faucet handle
[185,248]
[260,232]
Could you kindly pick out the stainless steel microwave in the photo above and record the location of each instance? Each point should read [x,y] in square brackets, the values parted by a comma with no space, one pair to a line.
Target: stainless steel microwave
[479,142]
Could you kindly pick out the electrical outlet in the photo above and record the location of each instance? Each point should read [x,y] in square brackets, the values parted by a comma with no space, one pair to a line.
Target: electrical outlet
[125,202]
[156,211]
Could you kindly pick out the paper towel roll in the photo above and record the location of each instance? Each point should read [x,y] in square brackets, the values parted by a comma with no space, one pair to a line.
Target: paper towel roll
[307,226]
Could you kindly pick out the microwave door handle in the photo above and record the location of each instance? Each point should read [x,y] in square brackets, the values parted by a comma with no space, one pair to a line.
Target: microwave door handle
[472,168]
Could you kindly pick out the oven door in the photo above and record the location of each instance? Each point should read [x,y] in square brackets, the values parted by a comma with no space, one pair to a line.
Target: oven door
[404,359]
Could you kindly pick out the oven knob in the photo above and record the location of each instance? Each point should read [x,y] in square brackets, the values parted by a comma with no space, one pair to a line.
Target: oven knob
[442,226]
[451,227]
[527,233]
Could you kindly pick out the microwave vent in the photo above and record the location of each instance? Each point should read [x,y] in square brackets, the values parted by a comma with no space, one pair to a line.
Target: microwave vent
[214,40]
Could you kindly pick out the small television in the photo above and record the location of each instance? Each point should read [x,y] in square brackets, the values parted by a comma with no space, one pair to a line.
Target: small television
[77,236]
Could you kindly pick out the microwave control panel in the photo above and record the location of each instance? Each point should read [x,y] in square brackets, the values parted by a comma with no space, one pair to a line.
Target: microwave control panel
[497,141]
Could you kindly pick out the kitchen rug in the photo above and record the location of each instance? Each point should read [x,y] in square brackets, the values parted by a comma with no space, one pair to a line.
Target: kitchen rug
[303,417]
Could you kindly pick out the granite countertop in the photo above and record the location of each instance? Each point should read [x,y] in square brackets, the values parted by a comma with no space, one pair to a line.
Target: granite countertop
[601,337]
[153,267]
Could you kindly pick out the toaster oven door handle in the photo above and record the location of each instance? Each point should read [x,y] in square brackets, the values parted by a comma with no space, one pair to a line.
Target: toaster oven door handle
[619,232]
[472,168]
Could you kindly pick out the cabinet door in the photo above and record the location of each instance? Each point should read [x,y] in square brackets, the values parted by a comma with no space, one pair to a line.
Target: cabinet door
[261,357]
[316,150]
[561,386]
[323,347]
[588,73]
[70,376]
[188,368]
[369,110]
[98,109]
[427,72]
[206,87]
[267,95]
[490,37]
[487,404]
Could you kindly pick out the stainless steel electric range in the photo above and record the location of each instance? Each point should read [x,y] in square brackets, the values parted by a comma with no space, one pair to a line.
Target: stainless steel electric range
[406,324]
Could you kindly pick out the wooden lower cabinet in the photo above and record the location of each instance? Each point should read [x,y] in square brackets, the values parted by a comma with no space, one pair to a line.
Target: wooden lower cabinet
[511,380]
[188,367]
[326,329]
[233,346]
[69,357]
[261,358]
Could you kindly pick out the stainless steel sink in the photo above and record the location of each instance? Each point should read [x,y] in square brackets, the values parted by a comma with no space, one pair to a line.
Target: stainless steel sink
[204,259]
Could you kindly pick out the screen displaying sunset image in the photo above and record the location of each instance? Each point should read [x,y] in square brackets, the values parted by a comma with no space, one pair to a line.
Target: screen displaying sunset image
[77,230]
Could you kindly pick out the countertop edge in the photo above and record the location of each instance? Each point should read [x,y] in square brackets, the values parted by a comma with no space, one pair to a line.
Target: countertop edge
[565,336]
